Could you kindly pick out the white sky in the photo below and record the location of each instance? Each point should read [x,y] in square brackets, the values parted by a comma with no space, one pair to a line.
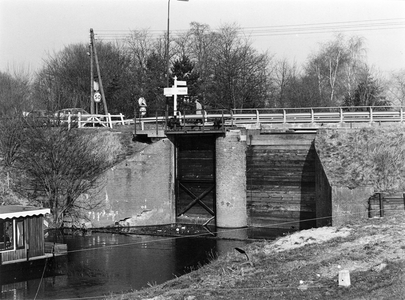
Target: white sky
[30,29]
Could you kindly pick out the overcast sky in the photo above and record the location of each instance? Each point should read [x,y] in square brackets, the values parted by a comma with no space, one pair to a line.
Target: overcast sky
[291,29]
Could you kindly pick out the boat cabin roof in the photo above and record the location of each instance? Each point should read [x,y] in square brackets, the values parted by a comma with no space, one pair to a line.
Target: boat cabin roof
[20,211]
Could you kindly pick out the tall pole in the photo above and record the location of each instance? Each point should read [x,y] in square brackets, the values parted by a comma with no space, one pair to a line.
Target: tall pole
[100,82]
[91,73]
[168,49]
[167,44]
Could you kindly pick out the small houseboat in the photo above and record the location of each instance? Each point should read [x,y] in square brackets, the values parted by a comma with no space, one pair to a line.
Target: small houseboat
[23,251]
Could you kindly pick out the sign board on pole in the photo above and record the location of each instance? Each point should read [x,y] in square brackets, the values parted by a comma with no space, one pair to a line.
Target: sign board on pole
[175,91]
[167,92]
[142,101]
[181,90]
[96,86]
[181,83]
[97,97]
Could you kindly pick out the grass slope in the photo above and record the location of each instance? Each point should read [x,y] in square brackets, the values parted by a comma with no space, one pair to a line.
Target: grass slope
[303,265]
[372,156]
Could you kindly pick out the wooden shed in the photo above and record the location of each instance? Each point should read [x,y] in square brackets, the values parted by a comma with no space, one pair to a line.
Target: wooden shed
[21,233]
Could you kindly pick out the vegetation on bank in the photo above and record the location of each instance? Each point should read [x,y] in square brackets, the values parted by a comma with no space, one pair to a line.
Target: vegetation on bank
[370,156]
[54,167]
[303,265]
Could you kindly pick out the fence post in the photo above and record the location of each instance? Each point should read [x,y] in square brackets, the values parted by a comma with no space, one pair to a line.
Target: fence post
[381,199]
[157,129]
[402,116]
[223,121]
[312,116]
[284,116]
[231,111]
[69,120]
[257,118]
[166,119]
[110,120]
[371,114]
[135,123]
[79,119]
[122,119]
[341,114]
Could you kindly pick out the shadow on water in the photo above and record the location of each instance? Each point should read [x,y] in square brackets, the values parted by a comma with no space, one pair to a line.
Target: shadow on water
[102,263]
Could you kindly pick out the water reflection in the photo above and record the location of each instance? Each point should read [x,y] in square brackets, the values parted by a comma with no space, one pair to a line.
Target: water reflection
[103,263]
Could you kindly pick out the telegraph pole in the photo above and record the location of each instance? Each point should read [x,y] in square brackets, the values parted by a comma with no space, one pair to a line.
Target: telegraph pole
[91,73]
[98,71]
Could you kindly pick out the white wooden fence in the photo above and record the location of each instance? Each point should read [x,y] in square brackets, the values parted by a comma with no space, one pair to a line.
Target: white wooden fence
[92,120]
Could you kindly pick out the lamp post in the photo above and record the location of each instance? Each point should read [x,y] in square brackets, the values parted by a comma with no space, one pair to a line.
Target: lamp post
[168,41]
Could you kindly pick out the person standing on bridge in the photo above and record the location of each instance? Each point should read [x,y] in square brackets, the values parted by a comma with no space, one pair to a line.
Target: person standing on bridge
[198,108]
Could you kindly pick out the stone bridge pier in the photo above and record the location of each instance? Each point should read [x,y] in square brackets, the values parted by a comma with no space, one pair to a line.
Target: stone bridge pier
[231,209]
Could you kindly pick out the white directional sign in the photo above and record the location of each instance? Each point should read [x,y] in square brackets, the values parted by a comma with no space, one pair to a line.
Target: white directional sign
[167,92]
[175,91]
[181,82]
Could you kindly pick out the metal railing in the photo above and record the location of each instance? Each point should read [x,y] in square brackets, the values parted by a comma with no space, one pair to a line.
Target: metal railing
[307,115]
[320,115]
[201,121]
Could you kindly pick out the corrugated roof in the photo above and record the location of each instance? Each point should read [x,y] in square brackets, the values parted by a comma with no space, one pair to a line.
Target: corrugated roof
[20,211]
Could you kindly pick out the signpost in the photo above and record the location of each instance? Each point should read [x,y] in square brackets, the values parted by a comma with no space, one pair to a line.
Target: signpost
[178,88]
[142,106]
[97,97]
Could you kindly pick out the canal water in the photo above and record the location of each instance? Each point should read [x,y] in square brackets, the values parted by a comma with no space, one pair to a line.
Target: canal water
[100,264]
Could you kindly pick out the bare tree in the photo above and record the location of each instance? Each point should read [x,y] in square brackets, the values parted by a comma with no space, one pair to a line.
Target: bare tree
[355,65]
[65,79]
[396,88]
[336,68]
[284,76]
[56,167]
[14,93]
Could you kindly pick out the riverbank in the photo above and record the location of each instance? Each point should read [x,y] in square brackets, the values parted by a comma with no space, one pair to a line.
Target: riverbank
[303,265]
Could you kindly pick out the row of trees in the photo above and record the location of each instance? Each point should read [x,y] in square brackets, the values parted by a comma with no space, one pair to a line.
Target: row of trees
[222,70]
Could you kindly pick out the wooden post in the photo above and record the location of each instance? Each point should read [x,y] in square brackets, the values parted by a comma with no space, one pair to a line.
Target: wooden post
[381,198]
[110,121]
[157,129]
[99,76]
[91,73]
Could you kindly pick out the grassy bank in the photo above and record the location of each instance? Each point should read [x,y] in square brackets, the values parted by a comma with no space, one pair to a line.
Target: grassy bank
[303,265]
[373,156]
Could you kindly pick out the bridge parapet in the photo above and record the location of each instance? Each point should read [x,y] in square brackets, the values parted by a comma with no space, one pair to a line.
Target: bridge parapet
[308,118]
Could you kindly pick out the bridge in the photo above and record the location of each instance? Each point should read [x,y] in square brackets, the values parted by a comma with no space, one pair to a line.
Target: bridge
[294,118]
[219,119]
[237,168]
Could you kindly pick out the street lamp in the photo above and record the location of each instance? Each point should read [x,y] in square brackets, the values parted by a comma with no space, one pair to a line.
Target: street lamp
[168,41]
